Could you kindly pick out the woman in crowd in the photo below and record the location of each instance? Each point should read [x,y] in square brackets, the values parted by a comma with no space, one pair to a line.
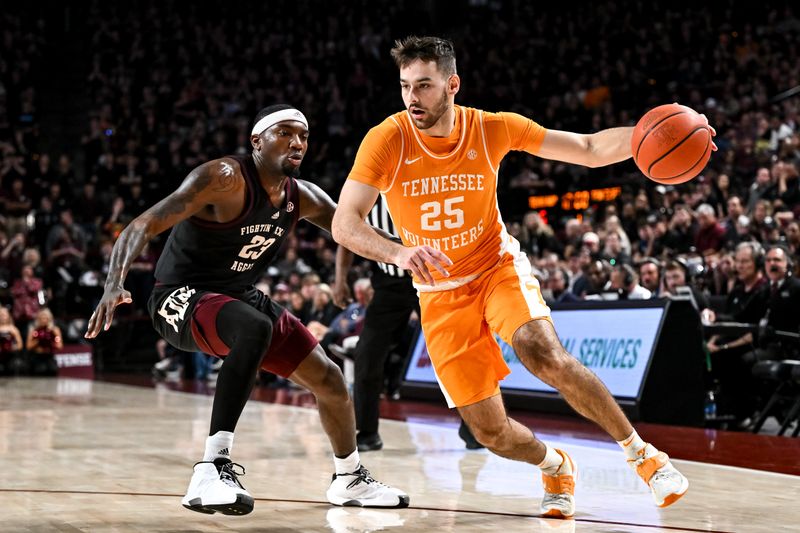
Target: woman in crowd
[10,342]
[44,338]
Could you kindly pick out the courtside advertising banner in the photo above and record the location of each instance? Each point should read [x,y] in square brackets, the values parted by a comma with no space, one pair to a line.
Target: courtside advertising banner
[615,344]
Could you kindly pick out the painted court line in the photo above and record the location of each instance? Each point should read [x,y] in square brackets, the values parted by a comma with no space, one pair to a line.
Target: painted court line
[318,502]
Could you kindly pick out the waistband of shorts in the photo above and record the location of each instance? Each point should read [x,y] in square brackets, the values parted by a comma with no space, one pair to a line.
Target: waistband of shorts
[450,284]
[447,284]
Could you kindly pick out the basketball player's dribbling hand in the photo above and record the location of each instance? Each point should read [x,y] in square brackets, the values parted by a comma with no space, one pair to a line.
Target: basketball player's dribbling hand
[713,133]
[417,258]
[104,313]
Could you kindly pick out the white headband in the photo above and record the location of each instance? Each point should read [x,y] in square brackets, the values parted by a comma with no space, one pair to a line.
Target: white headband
[278,116]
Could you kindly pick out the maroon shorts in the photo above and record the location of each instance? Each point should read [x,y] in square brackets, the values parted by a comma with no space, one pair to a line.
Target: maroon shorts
[187,318]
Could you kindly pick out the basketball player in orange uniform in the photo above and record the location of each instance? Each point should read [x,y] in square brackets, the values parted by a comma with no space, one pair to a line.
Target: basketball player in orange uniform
[436,165]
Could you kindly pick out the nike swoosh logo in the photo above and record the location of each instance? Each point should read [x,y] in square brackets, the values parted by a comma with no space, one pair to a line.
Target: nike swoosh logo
[410,161]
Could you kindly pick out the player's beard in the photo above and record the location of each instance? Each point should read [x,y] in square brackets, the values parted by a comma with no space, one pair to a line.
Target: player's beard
[434,114]
[290,170]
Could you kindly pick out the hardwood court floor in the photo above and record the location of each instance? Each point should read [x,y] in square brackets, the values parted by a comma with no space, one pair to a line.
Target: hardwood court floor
[92,456]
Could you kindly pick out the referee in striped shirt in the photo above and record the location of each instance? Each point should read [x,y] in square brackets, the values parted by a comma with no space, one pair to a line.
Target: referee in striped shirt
[386,320]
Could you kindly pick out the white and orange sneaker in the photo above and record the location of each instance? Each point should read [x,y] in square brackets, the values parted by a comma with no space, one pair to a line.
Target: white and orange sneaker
[664,480]
[559,489]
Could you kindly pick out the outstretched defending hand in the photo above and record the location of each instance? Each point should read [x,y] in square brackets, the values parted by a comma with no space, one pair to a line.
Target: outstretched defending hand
[417,258]
[104,313]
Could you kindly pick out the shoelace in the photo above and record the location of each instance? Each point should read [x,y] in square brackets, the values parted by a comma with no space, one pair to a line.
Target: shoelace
[362,476]
[228,474]
[659,476]
[561,499]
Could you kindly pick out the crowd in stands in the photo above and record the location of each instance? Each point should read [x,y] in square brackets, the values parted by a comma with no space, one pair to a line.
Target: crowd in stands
[171,86]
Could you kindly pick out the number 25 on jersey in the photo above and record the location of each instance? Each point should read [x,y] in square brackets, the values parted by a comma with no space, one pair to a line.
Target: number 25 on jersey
[432,211]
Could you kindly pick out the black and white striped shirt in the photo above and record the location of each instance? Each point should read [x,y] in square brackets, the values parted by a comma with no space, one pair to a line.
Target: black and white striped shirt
[380,218]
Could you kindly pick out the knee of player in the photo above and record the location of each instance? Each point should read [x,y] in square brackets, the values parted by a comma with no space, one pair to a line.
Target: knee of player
[260,327]
[239,325]
[540,351]
[554,362]
[546,359]
[490,434]
[332,383]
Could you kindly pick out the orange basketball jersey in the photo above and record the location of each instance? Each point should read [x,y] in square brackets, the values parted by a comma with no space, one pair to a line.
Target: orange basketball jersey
[442,192]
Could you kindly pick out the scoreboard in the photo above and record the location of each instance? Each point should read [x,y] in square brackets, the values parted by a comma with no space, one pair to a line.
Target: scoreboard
[574,200]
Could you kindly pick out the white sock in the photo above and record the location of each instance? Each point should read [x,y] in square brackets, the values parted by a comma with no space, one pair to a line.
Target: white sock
[632,445]
[551,462]
[218,445]
[347,464]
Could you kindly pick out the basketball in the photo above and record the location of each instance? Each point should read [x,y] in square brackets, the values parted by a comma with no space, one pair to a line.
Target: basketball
[671,144]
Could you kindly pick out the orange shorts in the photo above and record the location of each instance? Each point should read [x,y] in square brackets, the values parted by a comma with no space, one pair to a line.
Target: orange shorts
[458,325]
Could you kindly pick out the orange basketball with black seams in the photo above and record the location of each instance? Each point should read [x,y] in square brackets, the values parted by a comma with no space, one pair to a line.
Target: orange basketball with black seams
[671,144]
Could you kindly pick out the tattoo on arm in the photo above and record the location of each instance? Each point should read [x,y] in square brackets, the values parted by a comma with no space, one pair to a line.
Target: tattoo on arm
[226,181]
[169,207]
[177,202]
[129,245]
[163,215]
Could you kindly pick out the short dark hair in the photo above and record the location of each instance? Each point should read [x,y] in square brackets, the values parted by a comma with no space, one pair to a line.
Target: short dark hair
[674,264]
[269,110]
[650,261]
[426,49]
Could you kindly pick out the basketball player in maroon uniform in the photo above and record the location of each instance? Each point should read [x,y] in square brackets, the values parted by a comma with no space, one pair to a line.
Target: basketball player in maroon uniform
[230,216]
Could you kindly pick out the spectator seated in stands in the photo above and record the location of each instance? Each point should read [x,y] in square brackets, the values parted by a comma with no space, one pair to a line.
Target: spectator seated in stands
[308,289]
[590,241]
[722,275]
[625,281]
[793,237]
[349,322]
[613,252]
[650,276]
[677,280]
[710,234]
[762,188]
[593,280]
[538,237]
[682,229]
[735,210]
[321,313]
[556,288]
[746,304]
[782,296]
